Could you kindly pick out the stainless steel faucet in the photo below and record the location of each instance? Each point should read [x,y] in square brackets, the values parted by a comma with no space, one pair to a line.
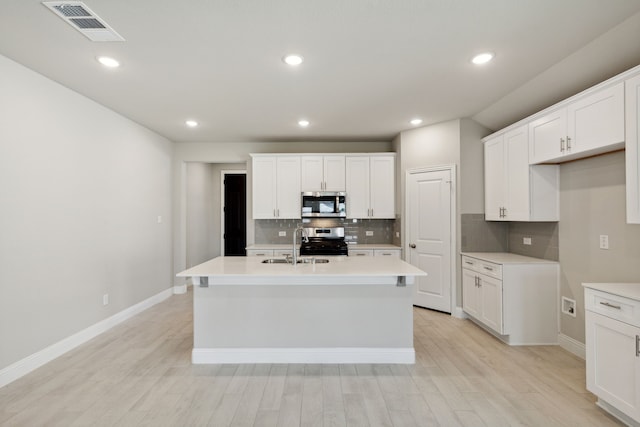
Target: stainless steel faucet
[305,238]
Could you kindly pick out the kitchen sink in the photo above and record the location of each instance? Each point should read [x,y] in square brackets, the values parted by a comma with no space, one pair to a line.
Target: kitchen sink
[300,261]
[275,261]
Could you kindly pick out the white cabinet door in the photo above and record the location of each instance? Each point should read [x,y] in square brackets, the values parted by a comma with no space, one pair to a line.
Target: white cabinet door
[470,293]
[613,367]
[382,188]
[260,252]
[490,302]
[323,173]
[312,176]
[288,187]
[517,192]
[494,178]
[547,137]
[264,187]
[357,185]
[632,154]
[596,120]
[334,173]
[360,252]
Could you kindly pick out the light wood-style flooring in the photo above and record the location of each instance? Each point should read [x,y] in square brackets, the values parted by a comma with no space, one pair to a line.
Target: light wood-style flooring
[139,374]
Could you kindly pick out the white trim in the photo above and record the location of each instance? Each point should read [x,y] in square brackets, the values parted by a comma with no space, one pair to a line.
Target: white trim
[612,410]
[303,355]
[180,289]
[459,313]
[453,222]
[224,172]
[46,355]
[572,346]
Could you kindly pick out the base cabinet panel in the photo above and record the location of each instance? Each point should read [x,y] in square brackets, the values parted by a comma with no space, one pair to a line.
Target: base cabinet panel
[613,353]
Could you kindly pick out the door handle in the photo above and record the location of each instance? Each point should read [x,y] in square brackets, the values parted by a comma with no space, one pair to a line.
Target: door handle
[412,246]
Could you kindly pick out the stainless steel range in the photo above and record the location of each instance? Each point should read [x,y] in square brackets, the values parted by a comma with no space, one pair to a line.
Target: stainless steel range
[324,241]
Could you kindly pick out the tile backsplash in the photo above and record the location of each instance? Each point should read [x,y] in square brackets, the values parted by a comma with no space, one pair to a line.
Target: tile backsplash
[267,230]
[478,235]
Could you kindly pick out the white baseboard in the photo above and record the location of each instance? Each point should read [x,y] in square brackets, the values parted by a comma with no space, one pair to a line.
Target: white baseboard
[46,355]
[180,289]
[572,346]
[459,313]
[303,355]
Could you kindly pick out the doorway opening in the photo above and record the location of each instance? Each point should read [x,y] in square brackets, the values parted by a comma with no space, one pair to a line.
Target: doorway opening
[234,213]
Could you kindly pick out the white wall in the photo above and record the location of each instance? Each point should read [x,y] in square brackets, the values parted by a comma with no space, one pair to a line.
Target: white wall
[238,152]
[81,188]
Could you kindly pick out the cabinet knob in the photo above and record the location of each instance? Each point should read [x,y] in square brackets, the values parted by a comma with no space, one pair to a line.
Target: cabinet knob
[412,246]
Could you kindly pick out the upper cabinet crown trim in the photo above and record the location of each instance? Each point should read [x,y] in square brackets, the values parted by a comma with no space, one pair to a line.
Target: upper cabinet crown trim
[620,78]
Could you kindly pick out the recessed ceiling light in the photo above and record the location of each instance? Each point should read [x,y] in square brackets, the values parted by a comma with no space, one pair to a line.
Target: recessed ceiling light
[293,60]
[108,62]
[303,123]
[482,58]
[415,122]
[191,123]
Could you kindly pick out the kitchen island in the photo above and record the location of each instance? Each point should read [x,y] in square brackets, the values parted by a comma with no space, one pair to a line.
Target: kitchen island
[347,310]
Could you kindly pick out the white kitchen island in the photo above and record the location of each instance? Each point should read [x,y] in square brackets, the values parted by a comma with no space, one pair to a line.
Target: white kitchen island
[349,310]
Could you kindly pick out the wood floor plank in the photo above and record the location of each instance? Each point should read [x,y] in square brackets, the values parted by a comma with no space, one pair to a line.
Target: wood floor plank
[139,373]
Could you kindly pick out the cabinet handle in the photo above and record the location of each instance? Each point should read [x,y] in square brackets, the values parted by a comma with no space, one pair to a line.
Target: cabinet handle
[360,254]
[468,262]
[608,304]
[568,143]
[385,254]
[562,145]
[637,345]
[488,268]
[274,213]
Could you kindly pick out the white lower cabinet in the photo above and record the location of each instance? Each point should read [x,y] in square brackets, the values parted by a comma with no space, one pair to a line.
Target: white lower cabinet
[512,296]
[613,353]
[360,252]
[260,252]
[391,253]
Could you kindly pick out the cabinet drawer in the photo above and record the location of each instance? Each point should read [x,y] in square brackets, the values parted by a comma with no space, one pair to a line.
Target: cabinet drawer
[284,252]
[613,306]
[260,252]
[360,252]
[390,253]
[483,267]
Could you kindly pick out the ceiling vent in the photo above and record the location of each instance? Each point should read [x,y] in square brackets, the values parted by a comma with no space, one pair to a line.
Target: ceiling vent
[80,17]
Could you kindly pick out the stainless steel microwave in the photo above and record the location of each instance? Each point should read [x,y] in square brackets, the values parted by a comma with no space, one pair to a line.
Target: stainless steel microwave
[319,204]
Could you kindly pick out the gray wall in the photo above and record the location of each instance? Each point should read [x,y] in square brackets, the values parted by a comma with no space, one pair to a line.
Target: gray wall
[204,230]
[81,189]
[592,202]
[454,142]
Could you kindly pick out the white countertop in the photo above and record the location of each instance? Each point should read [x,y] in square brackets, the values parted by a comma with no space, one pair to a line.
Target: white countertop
[337,266]
[507,258]
[628,290]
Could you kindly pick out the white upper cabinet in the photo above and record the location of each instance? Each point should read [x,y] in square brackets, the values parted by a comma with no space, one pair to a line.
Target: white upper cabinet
[591,124]
[323,173]
[370,186]
[515,191]
[276,187]
[632,154]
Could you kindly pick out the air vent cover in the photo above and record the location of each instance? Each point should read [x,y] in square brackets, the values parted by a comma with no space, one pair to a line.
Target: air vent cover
[80,17]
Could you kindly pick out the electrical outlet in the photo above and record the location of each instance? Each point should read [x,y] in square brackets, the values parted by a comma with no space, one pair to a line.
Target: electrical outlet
[105,299]
[397,234]
[526,241]
[159,219]
[368,233]
[282,233]
[604,241]
[569,306]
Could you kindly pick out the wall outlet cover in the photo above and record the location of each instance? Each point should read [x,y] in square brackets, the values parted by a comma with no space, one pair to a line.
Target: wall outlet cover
[604,241]
[526,240]
[369,233]
[282,233]
[568,306]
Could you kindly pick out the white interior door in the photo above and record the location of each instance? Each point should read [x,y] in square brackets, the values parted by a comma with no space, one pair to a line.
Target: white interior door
[429,237]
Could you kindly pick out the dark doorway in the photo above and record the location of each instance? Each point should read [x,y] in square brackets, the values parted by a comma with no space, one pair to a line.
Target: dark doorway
[235,214]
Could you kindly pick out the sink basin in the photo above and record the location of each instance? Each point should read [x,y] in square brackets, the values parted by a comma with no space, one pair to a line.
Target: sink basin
[275,261]
[300,261]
